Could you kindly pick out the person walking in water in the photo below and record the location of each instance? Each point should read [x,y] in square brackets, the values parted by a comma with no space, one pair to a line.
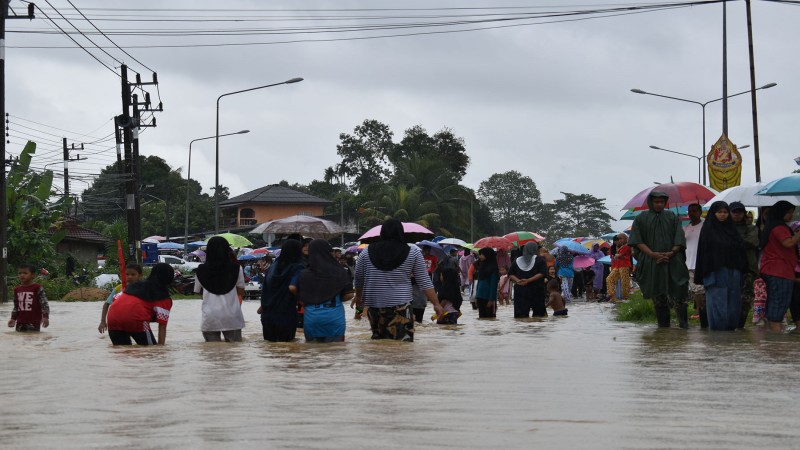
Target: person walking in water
[658,243]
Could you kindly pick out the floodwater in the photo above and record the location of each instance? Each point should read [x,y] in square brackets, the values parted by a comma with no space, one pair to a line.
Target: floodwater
[585,381]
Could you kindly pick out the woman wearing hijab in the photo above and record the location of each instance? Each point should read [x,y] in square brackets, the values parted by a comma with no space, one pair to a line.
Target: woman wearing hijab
[464,264]
[597,268]
[278,303]
[488,279]
[566,271]
[221,282]
[778,260]
[321,288]
[528,273]
[383,283]
[721,260]
[142,302]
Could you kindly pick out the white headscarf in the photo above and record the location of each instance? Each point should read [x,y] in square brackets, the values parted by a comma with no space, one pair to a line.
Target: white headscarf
[528,258]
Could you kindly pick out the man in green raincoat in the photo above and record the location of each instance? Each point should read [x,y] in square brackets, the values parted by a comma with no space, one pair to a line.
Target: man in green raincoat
[658,244]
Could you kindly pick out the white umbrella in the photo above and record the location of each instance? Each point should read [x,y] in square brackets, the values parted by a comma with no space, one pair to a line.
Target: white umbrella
[305,225]
[452,241]
[748,197]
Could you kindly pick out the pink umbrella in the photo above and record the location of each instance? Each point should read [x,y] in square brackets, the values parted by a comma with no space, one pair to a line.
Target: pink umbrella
[682,193]
[582,262]
[413,232]
[493,242]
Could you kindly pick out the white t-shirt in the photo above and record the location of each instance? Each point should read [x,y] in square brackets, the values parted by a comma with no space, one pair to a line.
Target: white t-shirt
[692,233]
[222,312]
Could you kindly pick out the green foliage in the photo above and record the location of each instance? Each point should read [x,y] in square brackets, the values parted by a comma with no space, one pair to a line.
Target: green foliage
[443,147]
[365,154]
[32,214]
[575,215]
[513,200]
[163,198]
[637,309]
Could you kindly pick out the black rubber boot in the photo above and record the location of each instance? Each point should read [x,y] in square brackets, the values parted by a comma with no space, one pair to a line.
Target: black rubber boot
[683,316]
[703,317]
[662,314]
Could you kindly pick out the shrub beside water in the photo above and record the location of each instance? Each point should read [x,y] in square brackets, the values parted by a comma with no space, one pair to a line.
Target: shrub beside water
[637,309]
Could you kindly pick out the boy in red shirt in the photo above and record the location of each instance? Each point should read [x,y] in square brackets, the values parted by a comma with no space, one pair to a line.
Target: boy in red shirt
[621,264]
[31,310]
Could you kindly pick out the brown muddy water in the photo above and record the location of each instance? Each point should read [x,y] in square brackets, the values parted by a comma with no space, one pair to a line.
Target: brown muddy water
[585,381]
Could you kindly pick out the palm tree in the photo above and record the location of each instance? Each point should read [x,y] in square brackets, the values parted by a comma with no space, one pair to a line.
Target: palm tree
[401,203]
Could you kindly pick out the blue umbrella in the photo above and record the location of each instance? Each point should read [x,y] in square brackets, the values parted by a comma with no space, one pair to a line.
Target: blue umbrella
[169,246]
[607,260]
[251,257]
[789,185]
[436,249]
[574,247]
[609,236]
[563,241]
[197,243]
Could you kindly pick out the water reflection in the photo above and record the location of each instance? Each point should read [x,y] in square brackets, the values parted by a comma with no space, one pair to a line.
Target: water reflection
[581,381]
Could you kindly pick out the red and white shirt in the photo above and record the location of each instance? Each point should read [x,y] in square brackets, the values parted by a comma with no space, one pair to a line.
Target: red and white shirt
[132,314]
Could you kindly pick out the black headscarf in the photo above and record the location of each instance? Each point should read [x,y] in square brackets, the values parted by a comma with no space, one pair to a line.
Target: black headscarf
[323,278]
[275,295]
[218,274]
[775,219]
[391,250]
[488,266]
[720,245]
[156,286]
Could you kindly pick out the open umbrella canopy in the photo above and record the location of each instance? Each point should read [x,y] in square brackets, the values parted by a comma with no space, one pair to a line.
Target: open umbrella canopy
[197,243]
[154,239]
[493,242]
[169,246]
[305,225]
[452,241]
[582,262]
[521,238]
[235,240]
[789,185]
[574,247]
[609,236]
[436,249]
[413,232]
[250,257]
[682,193]
[607,260]
[748,196]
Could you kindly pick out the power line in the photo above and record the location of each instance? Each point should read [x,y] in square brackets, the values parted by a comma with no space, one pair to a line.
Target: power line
[76,42]
[109,39]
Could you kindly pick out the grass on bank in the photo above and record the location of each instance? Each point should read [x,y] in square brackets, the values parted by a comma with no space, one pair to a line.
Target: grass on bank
[640,310]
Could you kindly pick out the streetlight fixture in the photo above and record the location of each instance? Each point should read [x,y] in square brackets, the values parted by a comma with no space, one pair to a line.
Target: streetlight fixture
[189,177]
[703,106]
[216,135]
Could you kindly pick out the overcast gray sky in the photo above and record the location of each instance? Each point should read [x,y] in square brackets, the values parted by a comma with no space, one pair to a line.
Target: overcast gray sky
[552,100]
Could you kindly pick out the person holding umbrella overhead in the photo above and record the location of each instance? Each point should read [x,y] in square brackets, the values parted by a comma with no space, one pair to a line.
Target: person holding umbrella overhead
[383,283]
[658,244]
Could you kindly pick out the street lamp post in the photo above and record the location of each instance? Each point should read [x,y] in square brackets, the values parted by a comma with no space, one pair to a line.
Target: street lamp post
[216,135]
[703,106]
[698,158]
[188,178]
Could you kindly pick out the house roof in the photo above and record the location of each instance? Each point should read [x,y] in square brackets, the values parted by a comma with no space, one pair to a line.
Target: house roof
[276,194]
[78,233]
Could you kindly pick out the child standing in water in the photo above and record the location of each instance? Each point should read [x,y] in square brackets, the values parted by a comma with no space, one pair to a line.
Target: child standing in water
[555,300]
[504,287]
[133,273]
[449,297]
[31,310]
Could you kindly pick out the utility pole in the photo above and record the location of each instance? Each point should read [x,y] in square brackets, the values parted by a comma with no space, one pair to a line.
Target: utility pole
[3,206]
[67,159]
[130,122]
[756,153]
[725,69]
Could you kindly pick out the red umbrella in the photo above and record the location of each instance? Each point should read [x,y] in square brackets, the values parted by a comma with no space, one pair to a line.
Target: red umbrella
[494,242]
[682,193]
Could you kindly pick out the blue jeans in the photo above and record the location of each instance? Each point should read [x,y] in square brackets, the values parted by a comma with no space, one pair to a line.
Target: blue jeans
[723,298]
[779,296]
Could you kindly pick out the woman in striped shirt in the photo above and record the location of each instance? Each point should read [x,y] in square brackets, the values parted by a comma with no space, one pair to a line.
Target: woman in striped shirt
[383,283]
